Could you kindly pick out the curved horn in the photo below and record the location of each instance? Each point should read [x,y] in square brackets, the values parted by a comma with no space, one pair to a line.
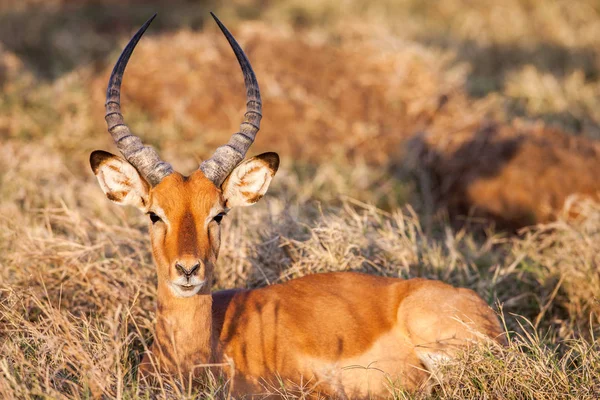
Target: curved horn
[226,157]
[143,158]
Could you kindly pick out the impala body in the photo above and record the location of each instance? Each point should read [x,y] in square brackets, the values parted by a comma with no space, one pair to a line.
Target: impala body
[345,335]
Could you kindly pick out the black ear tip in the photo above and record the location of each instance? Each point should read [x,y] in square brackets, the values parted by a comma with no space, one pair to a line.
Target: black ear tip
[98,157]
[272,159]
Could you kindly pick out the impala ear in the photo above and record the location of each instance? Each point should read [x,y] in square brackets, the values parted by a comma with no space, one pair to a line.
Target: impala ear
[119,180]
[249,181]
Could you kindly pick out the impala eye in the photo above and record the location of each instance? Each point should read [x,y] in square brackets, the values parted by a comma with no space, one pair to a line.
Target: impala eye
[153,217]
[219,217]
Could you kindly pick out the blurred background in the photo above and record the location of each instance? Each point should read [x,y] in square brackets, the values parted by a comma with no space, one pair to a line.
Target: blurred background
[418,138]
[468,107]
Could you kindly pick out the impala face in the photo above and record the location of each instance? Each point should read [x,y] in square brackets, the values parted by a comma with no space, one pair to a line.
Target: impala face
[185,213]
[185,231]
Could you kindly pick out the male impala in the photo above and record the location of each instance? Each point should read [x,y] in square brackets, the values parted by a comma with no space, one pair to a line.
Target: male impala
[346,334]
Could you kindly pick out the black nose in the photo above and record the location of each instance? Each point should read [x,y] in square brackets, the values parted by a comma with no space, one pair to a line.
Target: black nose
[187,271]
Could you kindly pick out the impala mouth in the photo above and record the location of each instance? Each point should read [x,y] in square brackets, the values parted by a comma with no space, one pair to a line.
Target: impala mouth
[186,289]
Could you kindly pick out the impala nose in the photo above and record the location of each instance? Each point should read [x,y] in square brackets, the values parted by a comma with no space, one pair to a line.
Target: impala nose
[187,269]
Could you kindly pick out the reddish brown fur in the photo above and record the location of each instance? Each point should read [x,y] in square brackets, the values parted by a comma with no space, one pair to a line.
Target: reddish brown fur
[186,204]
[303,329]
[270,332]
[307,330]
[116,196]
[339,316]
[187,235]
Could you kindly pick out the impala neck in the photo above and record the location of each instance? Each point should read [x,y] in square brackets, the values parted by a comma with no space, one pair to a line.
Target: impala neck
[184,330]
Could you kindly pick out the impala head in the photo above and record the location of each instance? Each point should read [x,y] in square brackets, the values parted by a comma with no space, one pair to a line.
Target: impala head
[185,212]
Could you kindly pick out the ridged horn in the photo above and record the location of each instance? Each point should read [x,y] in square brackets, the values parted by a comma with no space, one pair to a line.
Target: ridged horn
[226,157]
[143,158]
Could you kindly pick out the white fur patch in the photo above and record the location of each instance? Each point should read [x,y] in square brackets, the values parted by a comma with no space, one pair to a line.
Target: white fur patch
[160,212]
[178,291]
[247,183]
[122,184]
[433,361]
[212,213]
[368,374]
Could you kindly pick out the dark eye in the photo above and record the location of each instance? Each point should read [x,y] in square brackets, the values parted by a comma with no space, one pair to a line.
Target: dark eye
[219,217]
[153,217]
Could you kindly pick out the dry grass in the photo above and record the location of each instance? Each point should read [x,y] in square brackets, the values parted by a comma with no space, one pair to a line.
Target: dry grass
[386,115]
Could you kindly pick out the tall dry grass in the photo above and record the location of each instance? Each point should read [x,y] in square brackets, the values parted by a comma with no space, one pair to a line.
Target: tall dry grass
[348,95]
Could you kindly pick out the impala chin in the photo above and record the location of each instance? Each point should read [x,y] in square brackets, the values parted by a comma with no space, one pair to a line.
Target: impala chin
[183,288]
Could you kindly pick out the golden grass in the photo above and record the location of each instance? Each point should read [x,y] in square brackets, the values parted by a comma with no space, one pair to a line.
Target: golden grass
[384,114]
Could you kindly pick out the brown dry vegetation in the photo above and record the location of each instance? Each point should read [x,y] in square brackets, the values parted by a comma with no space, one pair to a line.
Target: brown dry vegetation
[386,115]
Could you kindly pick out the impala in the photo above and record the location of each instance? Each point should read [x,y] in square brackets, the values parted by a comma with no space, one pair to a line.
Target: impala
[347,334]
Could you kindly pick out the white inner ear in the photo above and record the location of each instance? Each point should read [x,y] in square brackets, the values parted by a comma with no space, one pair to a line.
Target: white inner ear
[247,183]
[122,184]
